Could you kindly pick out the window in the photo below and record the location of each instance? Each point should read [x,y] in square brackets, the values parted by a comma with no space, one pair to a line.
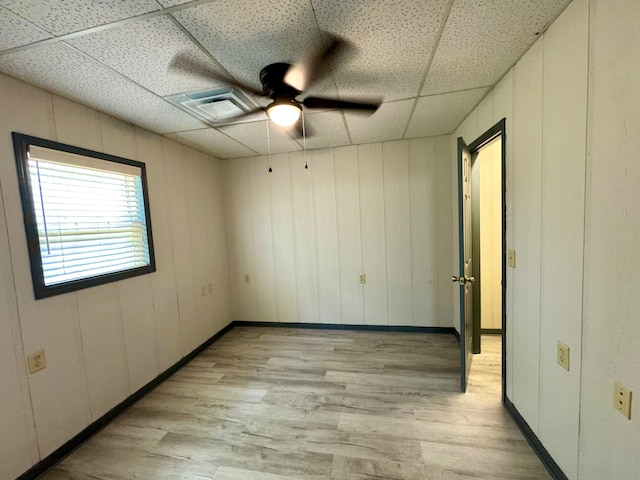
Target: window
[86,216]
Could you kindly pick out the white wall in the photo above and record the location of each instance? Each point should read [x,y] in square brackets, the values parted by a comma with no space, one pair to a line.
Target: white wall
[609,443]
[102,343]
[572,216]
[489,165]
[305,235]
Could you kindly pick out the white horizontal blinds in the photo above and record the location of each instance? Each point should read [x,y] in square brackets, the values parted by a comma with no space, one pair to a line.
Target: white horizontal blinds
[89,214]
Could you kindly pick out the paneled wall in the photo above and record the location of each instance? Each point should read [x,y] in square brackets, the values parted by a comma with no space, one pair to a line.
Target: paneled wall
[609,443]
[300,238]
[103,343]
[571,104]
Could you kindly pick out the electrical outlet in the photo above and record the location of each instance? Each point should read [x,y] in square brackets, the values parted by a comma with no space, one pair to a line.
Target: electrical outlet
[563,355]
[363,279]
[247,278]
[622,399]
[36,361]
[511,258]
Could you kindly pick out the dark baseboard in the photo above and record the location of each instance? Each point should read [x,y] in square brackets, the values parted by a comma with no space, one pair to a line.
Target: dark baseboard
[491,331]
[51,460]
[457,334]
[340,326]
[45,464]
[547,460]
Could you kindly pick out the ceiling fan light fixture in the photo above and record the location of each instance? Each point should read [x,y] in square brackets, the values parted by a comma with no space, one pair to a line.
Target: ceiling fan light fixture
[284,113]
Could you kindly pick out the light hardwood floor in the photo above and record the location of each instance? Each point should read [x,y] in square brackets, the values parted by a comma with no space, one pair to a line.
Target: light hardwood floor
[275,403]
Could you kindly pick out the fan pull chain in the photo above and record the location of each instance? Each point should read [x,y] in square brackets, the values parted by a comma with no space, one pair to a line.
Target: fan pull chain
[269,145]
[304,143]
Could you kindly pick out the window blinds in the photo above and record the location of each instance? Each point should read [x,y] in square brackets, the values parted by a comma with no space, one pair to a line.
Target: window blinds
[89,213]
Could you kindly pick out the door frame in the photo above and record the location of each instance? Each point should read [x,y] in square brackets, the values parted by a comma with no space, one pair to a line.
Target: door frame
[498,130]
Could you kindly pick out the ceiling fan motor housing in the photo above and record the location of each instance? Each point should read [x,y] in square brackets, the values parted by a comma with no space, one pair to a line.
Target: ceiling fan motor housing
[273,84]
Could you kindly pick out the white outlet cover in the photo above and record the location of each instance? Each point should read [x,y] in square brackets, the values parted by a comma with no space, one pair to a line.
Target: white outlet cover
[622,399]
[564,355]
[36,361]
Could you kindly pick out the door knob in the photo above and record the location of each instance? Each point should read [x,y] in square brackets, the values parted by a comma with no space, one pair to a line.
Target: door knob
[463,280]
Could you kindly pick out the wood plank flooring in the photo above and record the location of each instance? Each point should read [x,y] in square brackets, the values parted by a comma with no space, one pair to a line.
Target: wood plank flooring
[275,403]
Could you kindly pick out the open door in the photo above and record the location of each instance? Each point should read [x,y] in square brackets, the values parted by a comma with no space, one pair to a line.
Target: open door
[465,277]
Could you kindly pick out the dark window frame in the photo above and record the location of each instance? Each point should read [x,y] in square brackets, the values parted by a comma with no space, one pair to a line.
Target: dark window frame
[21,143]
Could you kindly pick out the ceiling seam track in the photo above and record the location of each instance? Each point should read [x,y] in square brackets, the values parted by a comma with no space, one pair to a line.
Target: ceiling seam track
[98,28]
[28,21]
[456,91]
[445,19]
[537,36]
[129,80]
[333,79]
[197,43]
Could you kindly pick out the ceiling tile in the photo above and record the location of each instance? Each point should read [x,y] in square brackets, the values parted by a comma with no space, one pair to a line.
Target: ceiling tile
[327,129]
[247,35]
[211,141]
[393,40]
[65,16]
[127,49]
[115,68]
[63,70]
[388,123]
[16,31]
[254,136]
[483,38]
[441,114]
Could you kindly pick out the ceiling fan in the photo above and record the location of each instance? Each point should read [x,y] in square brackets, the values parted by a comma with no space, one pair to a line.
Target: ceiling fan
[284,82]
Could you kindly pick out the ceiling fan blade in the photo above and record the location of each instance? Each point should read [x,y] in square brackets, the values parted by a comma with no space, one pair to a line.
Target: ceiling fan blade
[184,63]
[364,106]
[313,67]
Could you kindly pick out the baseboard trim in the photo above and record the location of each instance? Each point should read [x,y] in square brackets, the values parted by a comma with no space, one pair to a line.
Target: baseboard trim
[51,460]
[456,334]
[340,326]
[547,460]
[491,331]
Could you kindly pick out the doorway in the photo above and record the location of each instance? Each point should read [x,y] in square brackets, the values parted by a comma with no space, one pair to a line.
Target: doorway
[482,225]
[486,178]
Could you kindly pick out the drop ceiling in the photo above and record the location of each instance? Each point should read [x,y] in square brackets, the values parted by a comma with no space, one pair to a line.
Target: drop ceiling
[431,61]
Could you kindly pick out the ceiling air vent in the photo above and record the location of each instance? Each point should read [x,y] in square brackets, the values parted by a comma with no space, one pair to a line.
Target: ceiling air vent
[215,106]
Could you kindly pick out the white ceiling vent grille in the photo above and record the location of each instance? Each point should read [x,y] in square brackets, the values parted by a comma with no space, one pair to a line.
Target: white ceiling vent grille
[216,106]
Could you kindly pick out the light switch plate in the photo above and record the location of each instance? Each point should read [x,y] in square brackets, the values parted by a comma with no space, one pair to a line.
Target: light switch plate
[563,355]
[247,278]
[622,399]
[511,258]
[363,278]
